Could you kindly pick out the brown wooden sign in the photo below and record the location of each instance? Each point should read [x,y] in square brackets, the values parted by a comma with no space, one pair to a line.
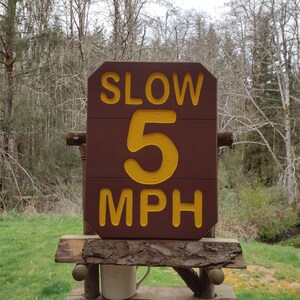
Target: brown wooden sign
[151,151]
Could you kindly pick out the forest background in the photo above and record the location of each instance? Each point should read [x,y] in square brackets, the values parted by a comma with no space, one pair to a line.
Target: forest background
[49,47]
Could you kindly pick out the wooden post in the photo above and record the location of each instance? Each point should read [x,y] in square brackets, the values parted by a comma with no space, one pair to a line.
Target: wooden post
[208,278]
[87,229]
[91,281]
[202,285]
[191,278]
[210,254]
[208,289]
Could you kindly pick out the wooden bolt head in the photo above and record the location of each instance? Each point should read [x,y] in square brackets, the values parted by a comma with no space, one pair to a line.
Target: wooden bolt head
[80,272]
[215,276]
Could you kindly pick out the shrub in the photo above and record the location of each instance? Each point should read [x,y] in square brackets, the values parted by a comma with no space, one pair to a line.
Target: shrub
[256,211]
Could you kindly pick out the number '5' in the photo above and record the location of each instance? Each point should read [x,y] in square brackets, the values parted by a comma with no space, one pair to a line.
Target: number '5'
[137,140]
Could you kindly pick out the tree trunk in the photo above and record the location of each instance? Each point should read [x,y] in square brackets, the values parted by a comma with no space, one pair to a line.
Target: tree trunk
[289,176]
[6,50]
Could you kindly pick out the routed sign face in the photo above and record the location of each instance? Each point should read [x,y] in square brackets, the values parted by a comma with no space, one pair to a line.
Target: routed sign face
[151,168]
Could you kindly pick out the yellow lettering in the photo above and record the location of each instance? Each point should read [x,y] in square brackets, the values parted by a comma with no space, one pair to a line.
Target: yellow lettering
[166,90]
[128,98]
[137,140]
[146,207]
[110,87]
[195,207]
[187,81]
[106,199]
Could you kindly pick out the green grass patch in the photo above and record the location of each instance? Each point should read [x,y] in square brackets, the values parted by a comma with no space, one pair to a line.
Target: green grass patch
[28,271]
[160,276]
[27,248]
[260,295]
[284,260]
[293,241]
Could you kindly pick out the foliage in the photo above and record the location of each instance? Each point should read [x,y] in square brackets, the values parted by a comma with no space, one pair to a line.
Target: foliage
[46,58]
[293,241]
[251,208]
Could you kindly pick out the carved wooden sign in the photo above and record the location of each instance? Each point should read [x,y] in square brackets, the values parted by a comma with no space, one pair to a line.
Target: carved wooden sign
[151,168]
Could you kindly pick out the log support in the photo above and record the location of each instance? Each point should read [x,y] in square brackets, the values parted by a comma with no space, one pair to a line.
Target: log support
[91,273]
[209,254]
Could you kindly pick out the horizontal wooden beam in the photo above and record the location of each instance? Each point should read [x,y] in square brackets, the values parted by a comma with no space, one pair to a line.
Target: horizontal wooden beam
[75,138]
[205,253]
[225,139]
[79,138]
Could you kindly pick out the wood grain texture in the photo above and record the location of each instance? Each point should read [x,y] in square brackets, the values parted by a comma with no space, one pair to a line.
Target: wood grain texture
[206,253]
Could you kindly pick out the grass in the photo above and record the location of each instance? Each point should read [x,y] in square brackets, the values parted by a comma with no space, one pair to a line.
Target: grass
[245,295]
[273,272]
[28,271]
[283,259]
[293,241]
[27,249]
[160,276]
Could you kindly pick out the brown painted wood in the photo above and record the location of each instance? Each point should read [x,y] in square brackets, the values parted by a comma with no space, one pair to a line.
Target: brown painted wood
[140,72]
[160,224]
[127,102]
[225,139]
[206,253]
[193,139]
[87,229]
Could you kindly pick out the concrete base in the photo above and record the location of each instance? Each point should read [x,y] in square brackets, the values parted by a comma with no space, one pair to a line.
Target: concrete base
[224,292]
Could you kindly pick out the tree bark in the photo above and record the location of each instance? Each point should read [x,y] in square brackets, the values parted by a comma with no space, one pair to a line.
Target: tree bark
[8,59]
[205,253]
